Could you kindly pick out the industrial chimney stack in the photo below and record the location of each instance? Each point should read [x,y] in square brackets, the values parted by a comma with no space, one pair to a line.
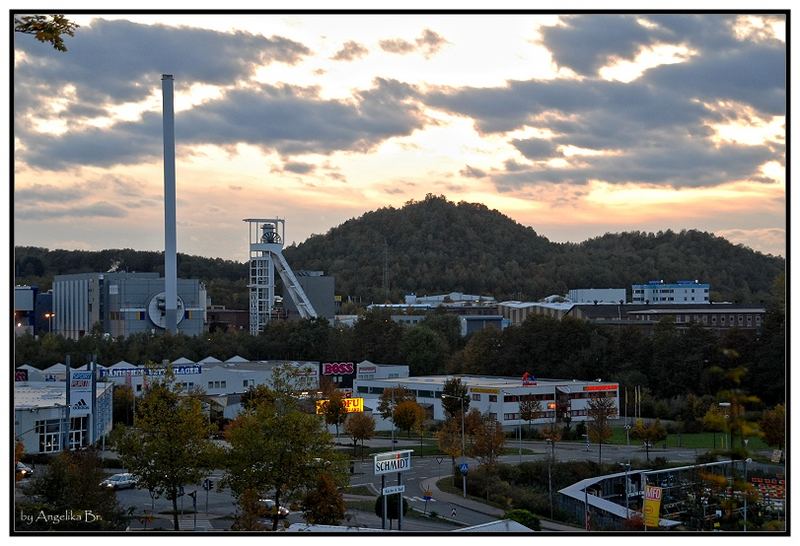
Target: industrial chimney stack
[170,250]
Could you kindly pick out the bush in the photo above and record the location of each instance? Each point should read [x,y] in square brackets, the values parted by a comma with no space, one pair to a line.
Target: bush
[525,518]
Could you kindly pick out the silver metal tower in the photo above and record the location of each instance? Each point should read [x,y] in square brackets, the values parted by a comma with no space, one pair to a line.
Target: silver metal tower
[266,256]
[170,250]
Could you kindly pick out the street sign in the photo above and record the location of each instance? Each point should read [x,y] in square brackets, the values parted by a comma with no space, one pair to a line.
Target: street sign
[391,490]
[207,484]
[776,456]
[392,461]
[439,460]
[464,467]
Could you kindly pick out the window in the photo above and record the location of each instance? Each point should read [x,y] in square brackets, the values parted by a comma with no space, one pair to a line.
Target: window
[510,416]
[49,435]
[78,432]
[376,390]
[211,385]
[139,388]
[492,398]
[740,318]
[425,394]
[222,384]
[476,398]
[363,390]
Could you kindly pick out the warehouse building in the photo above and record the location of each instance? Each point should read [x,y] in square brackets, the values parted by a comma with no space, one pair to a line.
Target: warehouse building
[679,292]
[498,396]
[123,303]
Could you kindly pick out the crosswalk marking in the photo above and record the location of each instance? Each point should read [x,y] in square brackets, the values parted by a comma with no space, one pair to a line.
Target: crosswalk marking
[418,499]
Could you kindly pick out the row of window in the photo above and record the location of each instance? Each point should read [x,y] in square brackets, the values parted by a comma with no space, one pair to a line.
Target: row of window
[50,434]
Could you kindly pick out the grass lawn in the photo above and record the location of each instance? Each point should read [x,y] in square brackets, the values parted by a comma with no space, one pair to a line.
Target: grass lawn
[694,440]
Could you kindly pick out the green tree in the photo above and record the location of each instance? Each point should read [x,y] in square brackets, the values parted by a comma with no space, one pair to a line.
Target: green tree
[71,482]
[324,504]
[456,399]
[335,410]
[424,350]
[168,446]
[600,410]
[274,447]
[46,28]
[392,507]
[408,415]
[359,426]
[524,517]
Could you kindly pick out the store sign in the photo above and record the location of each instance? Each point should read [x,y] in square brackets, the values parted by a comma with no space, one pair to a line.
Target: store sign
[484,390]
[20,375]
[367,369]
[80,394]
[338,368]
[652,505]
[137,372]
[351,405]
[600,388]
[393,461]
[528,380]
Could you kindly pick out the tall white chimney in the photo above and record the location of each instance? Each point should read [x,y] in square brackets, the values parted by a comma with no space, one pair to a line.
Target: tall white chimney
[170,250]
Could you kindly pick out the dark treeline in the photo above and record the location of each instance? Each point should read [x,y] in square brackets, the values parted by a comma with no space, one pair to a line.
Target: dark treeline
[670,364]
[435,246]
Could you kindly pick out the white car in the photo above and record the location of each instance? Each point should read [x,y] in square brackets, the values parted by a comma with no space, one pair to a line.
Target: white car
[119,481]
[269,504]
[23,470]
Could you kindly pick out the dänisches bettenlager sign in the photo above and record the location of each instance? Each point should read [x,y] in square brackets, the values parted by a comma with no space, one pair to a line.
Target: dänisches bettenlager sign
[394,461]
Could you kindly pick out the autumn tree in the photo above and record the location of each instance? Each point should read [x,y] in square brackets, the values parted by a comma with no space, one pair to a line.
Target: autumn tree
[649,434]
[250,512]
[773,426]
[408,415]
[600,410]
[324,504]
[169,444]
[455,397]
[714,421]
[359,426]
[275,447]
[46,28]
[334,410]
[390,398]
[450,441]
[487,439]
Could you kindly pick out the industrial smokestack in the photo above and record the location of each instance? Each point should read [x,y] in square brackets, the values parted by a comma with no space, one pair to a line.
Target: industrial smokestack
[170,251]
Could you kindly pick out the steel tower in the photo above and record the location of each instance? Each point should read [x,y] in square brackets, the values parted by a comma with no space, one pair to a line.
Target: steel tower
[266,256]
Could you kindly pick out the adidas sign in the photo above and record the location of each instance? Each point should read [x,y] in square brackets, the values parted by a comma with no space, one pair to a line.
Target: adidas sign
[80,405]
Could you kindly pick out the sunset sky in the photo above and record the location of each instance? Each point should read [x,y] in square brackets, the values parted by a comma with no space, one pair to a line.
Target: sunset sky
[575,125]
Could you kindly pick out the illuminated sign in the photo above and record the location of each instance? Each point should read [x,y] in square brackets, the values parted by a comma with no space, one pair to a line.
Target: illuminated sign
[484,390]
[652,505]
[338,368]
[528,380]
[600,388]
[351,405]
[136,372]
[367,369]
[551,405]
[393,461]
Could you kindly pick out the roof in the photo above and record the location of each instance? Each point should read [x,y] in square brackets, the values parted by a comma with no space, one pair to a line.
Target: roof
[183,360]
[689,310]
[236,358]
[209,360]
[499,526]
[45,394]
[476,381]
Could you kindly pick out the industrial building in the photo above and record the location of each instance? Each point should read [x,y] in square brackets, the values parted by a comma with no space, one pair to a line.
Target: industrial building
[43,421]
[597,295]
[475,323]
[498,396]
[655,292]
[124,303]
[33,310]
[319,288]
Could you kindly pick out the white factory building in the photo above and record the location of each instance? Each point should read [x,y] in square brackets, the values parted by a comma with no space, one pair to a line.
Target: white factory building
[498,396]
[679,292]
[597,295]
[43,422]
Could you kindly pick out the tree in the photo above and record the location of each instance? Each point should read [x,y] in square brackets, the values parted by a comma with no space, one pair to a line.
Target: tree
[359,426]
[408,415]
[649,434]
[714,421]
[529,409]
[46,28]
[274,447]
[457,394]
[600,410]
[335,410]
[324,504]
[773,426]
[524,517]
[423,350]
[450,441]
[71,482]
[169,445]
[488,439]
[250,512]
[392,397]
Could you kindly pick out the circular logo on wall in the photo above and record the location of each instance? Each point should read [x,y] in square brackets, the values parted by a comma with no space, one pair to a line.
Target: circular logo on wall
[157,310]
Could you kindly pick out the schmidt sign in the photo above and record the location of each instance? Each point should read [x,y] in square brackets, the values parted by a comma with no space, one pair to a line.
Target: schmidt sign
[394,461]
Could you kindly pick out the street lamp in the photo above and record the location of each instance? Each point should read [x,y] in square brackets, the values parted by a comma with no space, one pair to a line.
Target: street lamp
[746,462]
[463,444]
[49,317]
[627,469]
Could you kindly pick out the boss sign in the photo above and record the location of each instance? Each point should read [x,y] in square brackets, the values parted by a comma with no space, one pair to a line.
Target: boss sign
[338,368]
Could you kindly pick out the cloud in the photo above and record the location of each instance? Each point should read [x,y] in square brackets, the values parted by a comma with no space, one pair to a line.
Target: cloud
[350,51]
[472,172]
[428,43]
[291,120]
[235,188]
[113,62]
[99,209]
[535,148]
[298,167]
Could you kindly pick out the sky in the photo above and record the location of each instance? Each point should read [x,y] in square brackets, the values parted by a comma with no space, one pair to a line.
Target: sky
[576,125]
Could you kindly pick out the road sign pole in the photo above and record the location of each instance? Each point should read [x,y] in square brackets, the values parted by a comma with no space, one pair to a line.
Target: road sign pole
[400,503]
[383,515]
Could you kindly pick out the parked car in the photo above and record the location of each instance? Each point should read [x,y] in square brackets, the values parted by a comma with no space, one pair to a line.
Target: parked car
[23,470]
[119,481]
[269,504]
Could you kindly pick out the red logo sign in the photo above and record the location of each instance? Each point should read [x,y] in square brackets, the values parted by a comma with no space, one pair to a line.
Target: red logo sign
[338,368]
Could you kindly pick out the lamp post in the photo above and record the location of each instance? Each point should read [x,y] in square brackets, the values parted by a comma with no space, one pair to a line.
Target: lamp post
[463,443]
[746,462]
[49,317]
[627,469]
[550,476]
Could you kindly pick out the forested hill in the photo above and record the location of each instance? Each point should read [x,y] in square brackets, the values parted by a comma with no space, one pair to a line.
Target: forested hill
[435,246]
